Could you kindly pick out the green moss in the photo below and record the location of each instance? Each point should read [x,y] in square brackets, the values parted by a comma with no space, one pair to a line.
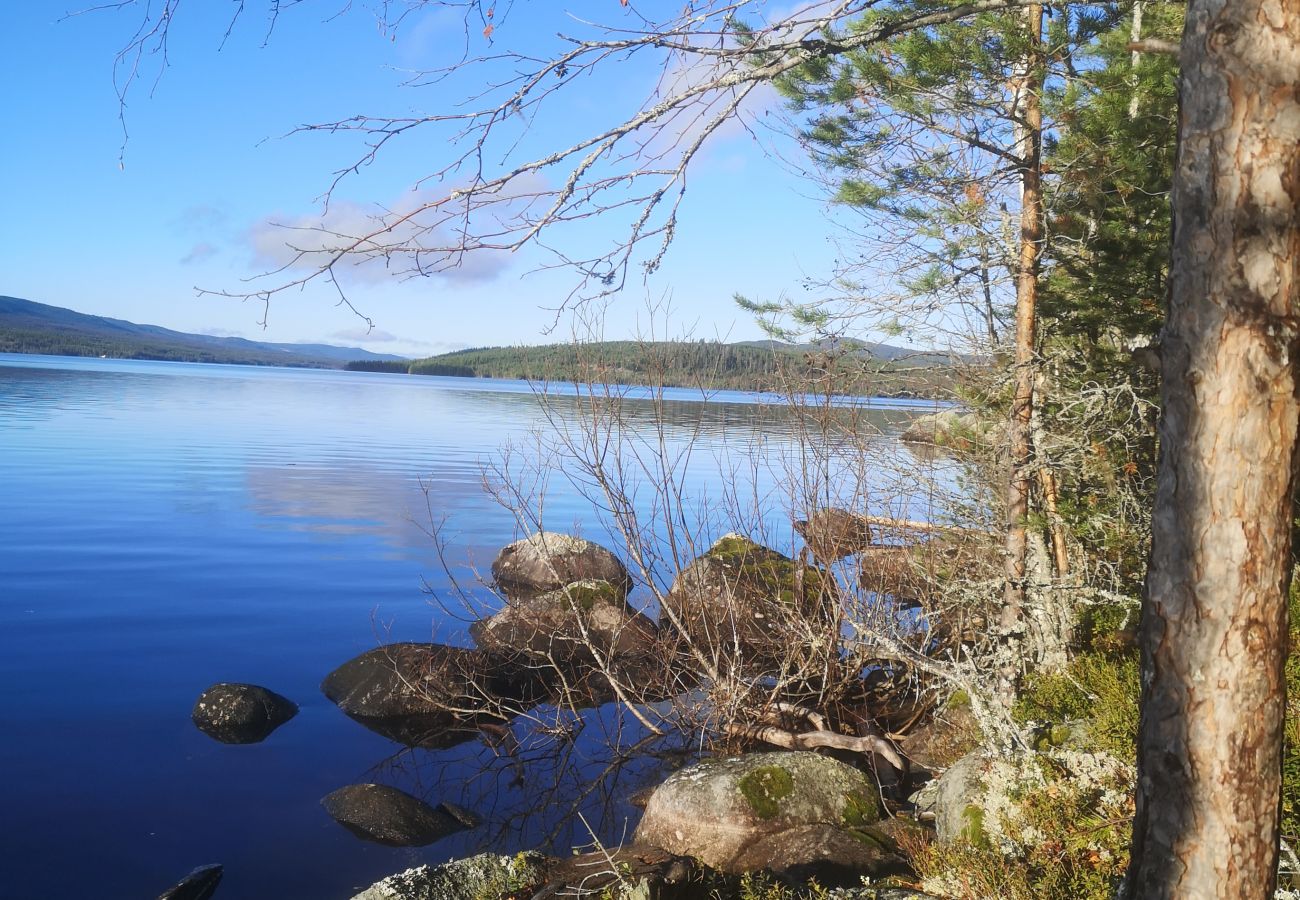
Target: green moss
[860,809]
[764,571]
[586,594]
[764,788]
[958,700]
[737,548]
[972,829]
[873,837]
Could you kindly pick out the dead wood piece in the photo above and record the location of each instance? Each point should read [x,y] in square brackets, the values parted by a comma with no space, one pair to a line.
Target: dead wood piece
[867,745]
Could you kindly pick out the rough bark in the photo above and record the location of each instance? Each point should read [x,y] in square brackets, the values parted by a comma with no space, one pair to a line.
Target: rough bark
[1029,124]
[1214,620]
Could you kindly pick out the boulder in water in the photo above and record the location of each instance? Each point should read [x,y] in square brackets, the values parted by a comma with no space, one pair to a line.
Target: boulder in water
[566,622]
[200,884]
[385,815]
[235,713]
[548,560]
[426,694]
[741,590]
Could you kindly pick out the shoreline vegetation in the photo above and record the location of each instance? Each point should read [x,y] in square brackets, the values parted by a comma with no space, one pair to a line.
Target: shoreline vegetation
[852,368]
[844,368]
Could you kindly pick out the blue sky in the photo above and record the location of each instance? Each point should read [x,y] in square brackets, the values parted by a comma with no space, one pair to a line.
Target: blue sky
[208,165]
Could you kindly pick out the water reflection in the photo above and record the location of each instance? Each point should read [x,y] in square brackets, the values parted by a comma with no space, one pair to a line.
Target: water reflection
[562,778]
[170,526]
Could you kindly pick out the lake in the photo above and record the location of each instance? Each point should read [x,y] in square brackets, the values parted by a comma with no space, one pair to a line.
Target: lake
[167,526]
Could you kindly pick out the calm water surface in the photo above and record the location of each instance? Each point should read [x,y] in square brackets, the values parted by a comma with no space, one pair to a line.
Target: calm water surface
[166,526]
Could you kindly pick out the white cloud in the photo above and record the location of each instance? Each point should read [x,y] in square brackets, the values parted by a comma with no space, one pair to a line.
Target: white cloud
[385,243]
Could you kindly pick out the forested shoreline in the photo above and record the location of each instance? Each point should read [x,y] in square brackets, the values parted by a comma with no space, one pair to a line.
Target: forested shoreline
[708,365]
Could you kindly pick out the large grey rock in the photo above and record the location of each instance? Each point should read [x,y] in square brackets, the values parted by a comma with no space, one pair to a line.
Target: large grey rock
[385,815]
[200,884]
[934,428]
[741,589]
[235,713]
[487,875]
[956,431]
[559,624]
[717,810]
[833,534]
[957,798]
[547,560]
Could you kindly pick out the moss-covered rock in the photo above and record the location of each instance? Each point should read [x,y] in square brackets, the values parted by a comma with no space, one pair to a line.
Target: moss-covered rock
[764,788]
[559,624]
[953,430]
[718,810]
[742,590]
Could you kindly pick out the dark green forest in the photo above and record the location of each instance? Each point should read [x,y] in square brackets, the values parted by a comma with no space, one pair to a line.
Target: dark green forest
[696,364]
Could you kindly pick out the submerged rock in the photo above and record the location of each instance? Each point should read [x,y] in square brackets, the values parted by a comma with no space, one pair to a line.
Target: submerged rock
[236,713]
[718,810]
[200,884]
[833,534]
[547,560]
[487,875]
[385,815]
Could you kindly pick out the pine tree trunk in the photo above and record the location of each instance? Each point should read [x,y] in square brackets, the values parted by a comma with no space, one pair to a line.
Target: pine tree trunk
[1214,620]
[1030,124]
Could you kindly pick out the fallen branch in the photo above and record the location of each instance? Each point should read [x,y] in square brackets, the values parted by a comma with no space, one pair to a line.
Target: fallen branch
[912,525]
[867,745]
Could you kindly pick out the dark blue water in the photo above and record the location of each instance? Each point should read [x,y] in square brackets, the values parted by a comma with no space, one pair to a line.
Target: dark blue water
[165,526]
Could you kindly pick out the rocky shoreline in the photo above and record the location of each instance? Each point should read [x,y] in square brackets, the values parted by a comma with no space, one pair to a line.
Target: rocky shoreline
[838,805]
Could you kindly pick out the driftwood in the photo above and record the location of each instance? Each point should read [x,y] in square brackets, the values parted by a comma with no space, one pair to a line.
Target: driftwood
[888,523]
[867,745]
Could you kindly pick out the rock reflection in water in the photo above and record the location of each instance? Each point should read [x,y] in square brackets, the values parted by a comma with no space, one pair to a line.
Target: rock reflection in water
[559,777]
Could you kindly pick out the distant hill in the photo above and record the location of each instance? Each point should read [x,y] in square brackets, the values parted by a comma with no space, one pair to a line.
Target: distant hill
[750,365]
[904,356]
[29,327]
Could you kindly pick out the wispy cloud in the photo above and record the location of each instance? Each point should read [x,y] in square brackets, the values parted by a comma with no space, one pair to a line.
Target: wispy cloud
[199,252]
[374,336]
[384,243]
